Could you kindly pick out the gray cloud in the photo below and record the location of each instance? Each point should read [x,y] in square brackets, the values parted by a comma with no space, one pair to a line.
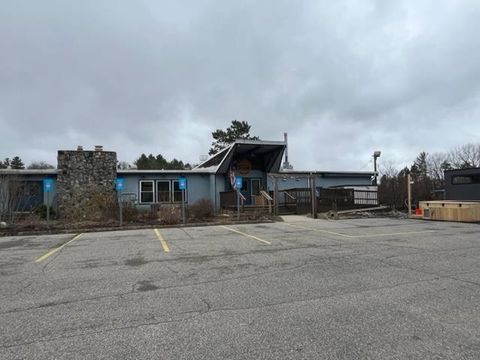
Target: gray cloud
[344,78]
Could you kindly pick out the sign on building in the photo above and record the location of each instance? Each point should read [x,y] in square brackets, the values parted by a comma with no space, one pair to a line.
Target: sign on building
[182,183]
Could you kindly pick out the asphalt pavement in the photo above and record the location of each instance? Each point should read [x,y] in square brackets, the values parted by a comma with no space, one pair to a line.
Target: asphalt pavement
[299,289]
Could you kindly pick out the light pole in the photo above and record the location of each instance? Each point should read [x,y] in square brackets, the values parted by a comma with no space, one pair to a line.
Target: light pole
[376,155]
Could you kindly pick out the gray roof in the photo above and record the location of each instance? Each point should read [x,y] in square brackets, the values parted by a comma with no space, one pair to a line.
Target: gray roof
[159,171]
[327,173]
[218,163]
[28,171]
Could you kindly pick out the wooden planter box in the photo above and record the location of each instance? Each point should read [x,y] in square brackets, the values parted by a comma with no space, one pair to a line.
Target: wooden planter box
[451,210]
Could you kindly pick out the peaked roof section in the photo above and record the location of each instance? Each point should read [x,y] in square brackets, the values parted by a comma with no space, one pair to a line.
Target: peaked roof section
[212,163]
[272,151]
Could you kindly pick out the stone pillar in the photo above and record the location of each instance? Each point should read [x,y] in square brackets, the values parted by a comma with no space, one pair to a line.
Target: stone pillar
[82,177]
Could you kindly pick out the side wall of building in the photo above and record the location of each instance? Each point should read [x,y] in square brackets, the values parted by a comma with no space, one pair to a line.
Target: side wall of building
[462,184]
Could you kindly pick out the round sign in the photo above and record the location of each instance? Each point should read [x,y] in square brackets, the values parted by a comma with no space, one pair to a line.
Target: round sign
[244,167]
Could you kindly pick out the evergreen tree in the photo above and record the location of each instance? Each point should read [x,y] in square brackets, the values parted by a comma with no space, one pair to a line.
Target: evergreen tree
[158,162]
[17,163]
[223,138]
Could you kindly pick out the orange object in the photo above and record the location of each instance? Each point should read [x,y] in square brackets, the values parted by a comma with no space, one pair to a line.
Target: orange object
[419,211]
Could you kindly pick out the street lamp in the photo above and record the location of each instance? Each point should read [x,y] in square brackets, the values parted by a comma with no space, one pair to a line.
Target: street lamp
[376,155]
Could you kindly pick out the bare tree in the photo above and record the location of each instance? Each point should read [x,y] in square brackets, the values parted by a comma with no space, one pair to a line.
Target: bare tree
[388,169]
[391,187]
[437,163]
[465,156]
[123,165]
[40,165]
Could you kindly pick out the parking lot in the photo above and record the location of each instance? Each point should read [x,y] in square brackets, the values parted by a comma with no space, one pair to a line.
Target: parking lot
[299,289]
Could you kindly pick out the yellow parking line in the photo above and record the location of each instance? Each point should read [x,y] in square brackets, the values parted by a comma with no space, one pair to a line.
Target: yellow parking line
[162,241]
[247,235]
[53,251]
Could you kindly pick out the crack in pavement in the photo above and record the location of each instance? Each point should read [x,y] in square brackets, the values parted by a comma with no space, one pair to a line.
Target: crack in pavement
[209,310]
[132,291]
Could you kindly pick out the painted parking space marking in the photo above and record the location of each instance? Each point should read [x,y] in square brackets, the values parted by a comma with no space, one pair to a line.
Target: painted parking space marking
[363,235]
[396,233]
[247,235]
[321,231]
[162,240]
[57,249]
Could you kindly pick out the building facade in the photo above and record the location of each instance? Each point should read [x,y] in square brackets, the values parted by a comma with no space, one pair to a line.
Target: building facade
[81,172]
[462,184]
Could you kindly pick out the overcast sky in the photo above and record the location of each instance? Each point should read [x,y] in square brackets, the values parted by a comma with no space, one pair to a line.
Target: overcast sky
[343,78]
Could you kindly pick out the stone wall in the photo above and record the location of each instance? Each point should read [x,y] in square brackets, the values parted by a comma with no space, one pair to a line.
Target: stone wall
[83,175]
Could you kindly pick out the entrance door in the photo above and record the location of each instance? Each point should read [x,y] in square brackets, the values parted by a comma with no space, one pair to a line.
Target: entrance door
[255,188]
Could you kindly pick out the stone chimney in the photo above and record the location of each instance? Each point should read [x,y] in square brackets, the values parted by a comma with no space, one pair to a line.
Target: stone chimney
[82,175]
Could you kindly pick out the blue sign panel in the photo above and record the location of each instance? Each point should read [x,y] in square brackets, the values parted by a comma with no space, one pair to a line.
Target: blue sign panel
[182,183]
[119,184]
[238,182]
[47,185]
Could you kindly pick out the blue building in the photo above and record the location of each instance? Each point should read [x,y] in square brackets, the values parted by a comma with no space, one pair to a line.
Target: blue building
[258,163]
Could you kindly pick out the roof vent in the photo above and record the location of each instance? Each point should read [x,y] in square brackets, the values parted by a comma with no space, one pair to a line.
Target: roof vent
[98,148]
[79,148]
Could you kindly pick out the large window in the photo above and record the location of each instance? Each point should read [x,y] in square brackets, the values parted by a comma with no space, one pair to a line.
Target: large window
[160,191]
[163,191]
[466,179]
[146,191]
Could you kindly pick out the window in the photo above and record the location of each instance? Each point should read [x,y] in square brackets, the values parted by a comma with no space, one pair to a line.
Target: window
[177,193]
[160,191]
[466,179]
[163,191]
[146,191]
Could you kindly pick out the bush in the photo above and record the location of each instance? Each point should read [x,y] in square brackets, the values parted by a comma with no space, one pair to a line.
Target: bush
[94,204]
[169,214]
[201,210]
[41,211]
[130,211]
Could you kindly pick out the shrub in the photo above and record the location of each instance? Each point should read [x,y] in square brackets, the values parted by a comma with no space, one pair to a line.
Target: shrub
[130,211]
[201,210]
[41,211]
[169,214]
[93,204]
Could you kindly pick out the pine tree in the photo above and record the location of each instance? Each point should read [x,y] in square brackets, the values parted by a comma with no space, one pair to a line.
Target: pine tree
[223,138]
[17,163]
[158,162]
